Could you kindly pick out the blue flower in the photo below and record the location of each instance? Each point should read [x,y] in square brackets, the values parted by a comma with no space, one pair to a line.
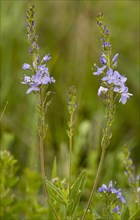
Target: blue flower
[106,30]
[103,59]
[118,82]
[114,60]
[106,45]
[116,210]
[109,77]
[124,95]
[99,70]
[42,77]
[26,66]
[33,87]
[120,197]
[112,79]
[103,188]
[111,189]
[46,58]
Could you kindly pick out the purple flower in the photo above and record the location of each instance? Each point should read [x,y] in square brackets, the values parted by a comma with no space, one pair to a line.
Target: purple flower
[110,76]
[102,90]
[43,69]
[106,30]
[103,59]
[32,88]
[116,210]
[103,188]
[47,79]
[37,78]
[106,45]
[114,60]
[26,66]
[42,77]
[38,58]
[115,78]
[124,95]
[114,81]
[111,189]
[46,58]
[120,197]
[99,70]
[119,80]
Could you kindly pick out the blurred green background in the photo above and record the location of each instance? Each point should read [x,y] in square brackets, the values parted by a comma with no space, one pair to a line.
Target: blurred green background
[68,31]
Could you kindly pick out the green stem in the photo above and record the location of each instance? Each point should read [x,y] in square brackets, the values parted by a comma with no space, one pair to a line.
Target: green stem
[3,111]
[41,148]
[104,144]
[70,151]
[95,183]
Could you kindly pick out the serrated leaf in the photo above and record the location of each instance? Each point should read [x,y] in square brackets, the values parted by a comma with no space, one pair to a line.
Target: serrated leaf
[55,192]
[75,193]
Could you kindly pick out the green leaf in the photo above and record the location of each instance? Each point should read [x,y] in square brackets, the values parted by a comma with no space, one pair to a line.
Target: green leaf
[55,193]
[95,214]
[125,214]
[54,169]
[135,216]
[75,193]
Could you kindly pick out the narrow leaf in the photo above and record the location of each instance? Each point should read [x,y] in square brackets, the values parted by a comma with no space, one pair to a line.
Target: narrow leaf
[55,192]
[54,169]
[75,193]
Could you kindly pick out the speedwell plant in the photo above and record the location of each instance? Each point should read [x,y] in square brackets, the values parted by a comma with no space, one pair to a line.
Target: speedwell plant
[63,196]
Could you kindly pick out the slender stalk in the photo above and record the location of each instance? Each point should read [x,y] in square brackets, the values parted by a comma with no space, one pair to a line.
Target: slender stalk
[104,144]
[3,111]
[42,154]
[71,109]
[70,152]
[95,183]
[41,148]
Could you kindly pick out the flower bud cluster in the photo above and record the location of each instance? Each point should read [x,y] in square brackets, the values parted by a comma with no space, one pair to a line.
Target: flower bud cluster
[106,45]
[130,172]
[72,100]
[41,73]
[31,34]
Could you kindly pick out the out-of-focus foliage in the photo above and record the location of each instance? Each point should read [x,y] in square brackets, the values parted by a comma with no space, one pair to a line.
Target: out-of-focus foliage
[8,181]
[68,31]
[20,197]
